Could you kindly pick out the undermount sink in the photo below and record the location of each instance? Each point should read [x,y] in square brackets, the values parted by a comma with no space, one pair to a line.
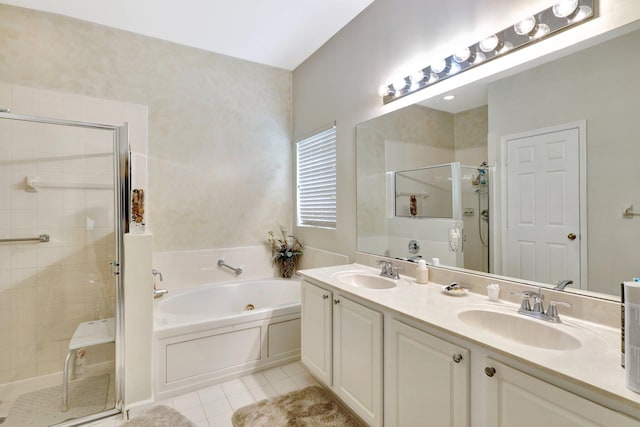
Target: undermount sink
[519,328]
[365,280]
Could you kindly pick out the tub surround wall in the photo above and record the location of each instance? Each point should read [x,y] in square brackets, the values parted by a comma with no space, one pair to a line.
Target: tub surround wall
[314,257]
[219,127]
[187,269]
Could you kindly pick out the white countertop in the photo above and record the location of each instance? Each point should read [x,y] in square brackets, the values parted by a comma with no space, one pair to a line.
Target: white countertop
[595,365]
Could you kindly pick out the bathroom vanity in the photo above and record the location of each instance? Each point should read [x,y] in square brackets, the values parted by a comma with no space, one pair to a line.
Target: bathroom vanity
[400,353]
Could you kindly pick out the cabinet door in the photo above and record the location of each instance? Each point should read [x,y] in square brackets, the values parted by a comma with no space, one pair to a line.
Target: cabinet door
[357,361]
[517,399]
[429,380]
[316,331]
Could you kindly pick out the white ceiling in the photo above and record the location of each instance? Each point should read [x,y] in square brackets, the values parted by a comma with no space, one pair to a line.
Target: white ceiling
[281,33]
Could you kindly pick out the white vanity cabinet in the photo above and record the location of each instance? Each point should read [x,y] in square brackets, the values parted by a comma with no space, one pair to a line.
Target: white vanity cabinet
[514,398]
[342,347]
[428,379]
[316,317]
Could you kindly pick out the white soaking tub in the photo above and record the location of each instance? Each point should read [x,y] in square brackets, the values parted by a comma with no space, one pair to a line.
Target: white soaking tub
[215,332]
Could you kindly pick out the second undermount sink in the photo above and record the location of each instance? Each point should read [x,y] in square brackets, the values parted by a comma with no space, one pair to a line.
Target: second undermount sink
[520,329]
[365,280]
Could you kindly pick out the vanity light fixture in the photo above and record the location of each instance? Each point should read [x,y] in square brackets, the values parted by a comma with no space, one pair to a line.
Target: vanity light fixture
[562,15]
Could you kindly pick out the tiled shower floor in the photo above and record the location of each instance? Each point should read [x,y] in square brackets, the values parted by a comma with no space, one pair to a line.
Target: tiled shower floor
[213,406]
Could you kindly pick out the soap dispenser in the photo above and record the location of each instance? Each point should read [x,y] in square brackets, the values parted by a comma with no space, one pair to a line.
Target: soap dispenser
[422,273]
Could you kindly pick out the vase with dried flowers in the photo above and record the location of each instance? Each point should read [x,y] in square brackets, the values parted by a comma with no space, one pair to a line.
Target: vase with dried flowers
[285,249]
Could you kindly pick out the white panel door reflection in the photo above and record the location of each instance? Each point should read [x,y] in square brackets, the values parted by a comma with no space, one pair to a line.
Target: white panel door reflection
[543,207]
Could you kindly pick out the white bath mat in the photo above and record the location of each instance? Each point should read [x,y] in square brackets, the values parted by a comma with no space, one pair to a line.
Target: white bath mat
[42,408]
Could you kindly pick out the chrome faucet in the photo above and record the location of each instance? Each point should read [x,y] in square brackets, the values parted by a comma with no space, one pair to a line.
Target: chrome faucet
[561,284]
[388,270]
[157,293]
[538,311]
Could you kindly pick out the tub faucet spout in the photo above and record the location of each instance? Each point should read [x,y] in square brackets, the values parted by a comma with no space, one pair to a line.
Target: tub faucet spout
[157,293]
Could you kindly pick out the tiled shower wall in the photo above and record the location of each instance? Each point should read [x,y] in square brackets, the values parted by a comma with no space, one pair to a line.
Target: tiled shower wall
[47,289]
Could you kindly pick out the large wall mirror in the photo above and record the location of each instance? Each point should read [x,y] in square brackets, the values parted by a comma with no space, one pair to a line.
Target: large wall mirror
[540,168]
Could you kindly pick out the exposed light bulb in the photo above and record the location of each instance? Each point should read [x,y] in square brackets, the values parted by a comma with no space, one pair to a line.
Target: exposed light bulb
[432,78]
[417,77]
[541,31]
[506,47]
[564,8]
[583,13]
[462,55]
[489,44]
[526,26]
[478,58]
[439,66]
[399,84]
[384,90]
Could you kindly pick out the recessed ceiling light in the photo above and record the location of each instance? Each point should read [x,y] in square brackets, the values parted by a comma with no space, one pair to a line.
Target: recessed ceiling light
[448,97]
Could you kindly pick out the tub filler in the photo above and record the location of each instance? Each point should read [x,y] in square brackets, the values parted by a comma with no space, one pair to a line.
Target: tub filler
[215,332]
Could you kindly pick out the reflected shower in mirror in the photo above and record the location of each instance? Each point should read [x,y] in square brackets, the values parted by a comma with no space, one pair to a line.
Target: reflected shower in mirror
[590,90]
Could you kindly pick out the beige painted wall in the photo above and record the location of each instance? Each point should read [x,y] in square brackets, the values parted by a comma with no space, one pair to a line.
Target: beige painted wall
[219,128]
[340,80]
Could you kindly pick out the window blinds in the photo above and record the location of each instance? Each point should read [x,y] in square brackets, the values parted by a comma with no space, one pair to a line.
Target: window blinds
[316,160]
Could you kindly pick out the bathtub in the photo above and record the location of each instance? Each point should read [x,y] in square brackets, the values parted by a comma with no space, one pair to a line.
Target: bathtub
[215,332]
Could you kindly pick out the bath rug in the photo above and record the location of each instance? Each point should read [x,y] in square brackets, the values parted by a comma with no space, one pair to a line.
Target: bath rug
[159,416]
[311,406]
[42,408]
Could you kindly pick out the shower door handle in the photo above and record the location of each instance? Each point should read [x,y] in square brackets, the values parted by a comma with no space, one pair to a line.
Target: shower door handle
[571,236]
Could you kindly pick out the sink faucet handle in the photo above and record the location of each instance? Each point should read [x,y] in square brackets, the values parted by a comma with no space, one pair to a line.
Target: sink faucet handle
[553,311]
[395,270]
[525,305]
[538,306]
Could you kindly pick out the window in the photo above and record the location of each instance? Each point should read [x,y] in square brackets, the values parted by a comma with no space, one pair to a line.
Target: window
[316,177]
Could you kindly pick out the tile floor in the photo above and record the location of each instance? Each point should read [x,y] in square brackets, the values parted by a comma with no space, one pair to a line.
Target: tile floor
[213,406]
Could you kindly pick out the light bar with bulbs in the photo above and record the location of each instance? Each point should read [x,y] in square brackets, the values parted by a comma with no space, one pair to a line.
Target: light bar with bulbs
[563,14]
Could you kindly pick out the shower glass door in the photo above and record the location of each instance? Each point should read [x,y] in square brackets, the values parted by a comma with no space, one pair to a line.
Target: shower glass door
[61,203]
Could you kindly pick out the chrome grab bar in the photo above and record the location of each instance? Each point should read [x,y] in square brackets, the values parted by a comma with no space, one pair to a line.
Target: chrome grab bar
[221,263]
[41,238]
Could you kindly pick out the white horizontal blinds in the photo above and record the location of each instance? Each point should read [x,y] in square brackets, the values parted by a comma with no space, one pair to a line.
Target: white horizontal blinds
[316,158]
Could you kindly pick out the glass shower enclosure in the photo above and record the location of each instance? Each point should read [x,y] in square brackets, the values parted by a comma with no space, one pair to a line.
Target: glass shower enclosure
[64,191]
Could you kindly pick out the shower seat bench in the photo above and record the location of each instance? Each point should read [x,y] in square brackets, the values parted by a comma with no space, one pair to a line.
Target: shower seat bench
[87,334]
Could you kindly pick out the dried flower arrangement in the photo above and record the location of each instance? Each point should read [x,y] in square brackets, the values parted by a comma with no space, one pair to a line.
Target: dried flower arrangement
[285,250]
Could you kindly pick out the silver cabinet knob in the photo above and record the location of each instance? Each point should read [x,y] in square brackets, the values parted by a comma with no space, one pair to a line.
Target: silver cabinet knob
[325,296]
[490,371]
[457,358]
[336,301]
